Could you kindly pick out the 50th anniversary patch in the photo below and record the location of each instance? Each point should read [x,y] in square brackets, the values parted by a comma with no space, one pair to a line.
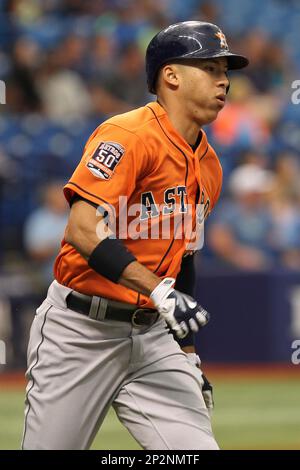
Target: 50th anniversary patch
[105,159]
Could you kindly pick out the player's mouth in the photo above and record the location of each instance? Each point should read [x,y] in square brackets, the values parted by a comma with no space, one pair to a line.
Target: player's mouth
[221,99]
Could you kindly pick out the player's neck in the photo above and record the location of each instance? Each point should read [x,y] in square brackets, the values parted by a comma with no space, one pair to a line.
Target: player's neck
[187,128]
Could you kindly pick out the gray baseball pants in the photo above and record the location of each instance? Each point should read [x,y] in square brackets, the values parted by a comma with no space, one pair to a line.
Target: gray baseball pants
[78,367]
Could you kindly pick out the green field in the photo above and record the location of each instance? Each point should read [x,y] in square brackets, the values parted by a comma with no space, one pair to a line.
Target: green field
[255,414]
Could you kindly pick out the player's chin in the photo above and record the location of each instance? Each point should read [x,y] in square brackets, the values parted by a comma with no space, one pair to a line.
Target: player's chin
[211,115]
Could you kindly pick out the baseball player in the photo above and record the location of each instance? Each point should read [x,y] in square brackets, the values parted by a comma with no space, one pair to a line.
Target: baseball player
[100,338]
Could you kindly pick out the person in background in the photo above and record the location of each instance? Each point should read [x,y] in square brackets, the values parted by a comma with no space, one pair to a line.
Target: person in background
[239,234]
[44,229]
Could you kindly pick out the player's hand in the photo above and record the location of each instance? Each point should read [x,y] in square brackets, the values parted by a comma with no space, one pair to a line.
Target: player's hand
[182,313]
[207,392]
[207,388]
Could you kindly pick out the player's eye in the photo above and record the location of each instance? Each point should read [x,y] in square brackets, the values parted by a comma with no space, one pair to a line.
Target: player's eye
[210,68]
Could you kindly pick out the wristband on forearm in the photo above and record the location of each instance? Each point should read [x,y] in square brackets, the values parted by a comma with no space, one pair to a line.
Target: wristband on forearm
[110,258]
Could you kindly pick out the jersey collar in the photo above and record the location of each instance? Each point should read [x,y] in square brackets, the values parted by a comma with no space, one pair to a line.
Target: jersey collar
[173,135]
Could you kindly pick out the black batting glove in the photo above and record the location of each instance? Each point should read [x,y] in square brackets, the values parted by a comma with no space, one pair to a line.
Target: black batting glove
[182,313]
[207,392]
[207,388]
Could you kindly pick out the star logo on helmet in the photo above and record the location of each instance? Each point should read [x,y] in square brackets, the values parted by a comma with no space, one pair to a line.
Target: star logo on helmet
[223,42]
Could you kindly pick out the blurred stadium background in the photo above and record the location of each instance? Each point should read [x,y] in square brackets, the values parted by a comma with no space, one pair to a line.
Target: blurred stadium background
[67,66]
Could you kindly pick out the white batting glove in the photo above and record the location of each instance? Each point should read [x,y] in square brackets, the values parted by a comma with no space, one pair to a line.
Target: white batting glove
[182,313]
[207,388]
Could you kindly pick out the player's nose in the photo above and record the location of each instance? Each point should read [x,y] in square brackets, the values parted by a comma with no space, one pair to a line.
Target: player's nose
[224,81]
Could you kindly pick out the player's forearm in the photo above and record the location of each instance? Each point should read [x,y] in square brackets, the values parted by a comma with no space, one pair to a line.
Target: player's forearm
[139,278]
[84,234]
[135,276]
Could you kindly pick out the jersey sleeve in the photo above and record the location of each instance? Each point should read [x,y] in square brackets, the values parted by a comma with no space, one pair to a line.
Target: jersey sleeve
[113,160]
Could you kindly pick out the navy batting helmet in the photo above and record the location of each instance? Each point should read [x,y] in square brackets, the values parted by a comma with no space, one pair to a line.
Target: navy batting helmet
[188,40]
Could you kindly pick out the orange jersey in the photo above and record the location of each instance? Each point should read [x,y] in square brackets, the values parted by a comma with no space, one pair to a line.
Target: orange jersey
[140,157]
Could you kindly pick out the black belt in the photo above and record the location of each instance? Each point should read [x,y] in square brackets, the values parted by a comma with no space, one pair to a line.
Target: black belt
[100,308]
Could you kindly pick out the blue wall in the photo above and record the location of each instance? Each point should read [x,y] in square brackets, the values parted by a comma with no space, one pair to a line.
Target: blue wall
[253,316]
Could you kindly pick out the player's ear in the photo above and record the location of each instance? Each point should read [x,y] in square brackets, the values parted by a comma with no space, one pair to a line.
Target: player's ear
[170,75]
